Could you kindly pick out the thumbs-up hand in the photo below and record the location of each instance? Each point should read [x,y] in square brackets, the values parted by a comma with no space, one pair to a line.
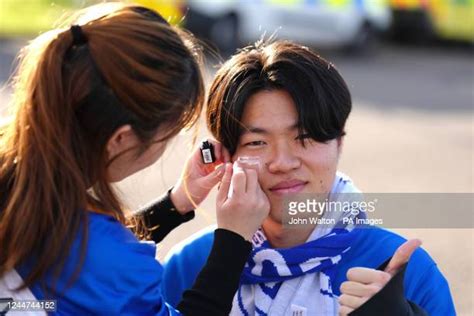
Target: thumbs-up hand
[363,283]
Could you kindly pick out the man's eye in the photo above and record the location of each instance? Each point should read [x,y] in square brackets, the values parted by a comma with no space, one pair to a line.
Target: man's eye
[255,143]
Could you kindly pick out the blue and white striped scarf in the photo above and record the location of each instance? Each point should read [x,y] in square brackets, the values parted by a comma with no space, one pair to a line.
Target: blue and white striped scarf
[297,281]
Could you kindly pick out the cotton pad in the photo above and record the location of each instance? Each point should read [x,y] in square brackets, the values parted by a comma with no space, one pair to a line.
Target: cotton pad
[242,162]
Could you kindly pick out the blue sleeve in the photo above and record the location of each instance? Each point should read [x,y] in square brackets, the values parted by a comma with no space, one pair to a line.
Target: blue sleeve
[123,277]
[427,287]
[135,286]
[126,282]
[424,284]
[183,264]
[119,275]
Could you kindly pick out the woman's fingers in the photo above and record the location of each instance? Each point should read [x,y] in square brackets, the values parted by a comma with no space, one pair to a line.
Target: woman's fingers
[252,181]
[225,184]
[245,205]
[239,181]
[210,180]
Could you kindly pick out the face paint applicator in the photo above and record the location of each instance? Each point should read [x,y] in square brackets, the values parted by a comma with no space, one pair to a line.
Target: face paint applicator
[244,162]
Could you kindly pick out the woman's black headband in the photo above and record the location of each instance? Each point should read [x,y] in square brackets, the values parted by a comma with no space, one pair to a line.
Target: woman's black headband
[78,37]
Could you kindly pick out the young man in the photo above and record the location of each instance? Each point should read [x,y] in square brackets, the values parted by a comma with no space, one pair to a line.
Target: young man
[286,107]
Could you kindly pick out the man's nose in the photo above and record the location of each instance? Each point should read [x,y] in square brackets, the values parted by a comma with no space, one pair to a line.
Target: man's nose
[283,159]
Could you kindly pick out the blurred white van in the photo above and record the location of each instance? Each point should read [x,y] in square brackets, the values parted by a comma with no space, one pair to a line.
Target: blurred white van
[323,23]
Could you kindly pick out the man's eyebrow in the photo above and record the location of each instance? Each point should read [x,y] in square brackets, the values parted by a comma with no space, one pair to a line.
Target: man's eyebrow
[259,130]
[253,129]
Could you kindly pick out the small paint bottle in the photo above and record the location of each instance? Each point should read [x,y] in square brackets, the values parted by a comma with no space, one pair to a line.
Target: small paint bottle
[208,156]
[207,152]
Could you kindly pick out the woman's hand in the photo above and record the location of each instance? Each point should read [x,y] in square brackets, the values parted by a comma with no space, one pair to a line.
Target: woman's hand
[197,179]
[363,283]
[246,208]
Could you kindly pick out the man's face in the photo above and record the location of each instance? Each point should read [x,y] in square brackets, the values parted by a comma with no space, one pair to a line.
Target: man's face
[286,167]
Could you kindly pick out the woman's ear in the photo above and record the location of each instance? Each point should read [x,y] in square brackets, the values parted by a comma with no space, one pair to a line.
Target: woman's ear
[122,139]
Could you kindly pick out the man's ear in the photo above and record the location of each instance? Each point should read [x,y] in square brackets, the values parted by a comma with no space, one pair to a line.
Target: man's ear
[122,139]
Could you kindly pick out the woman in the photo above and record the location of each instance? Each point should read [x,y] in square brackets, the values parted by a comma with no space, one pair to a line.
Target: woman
[95,103]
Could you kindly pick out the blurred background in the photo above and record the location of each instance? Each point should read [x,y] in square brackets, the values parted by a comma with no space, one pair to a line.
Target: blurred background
[409,65]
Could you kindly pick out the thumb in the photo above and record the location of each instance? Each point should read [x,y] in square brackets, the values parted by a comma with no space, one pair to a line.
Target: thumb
[402,255]
[225,184]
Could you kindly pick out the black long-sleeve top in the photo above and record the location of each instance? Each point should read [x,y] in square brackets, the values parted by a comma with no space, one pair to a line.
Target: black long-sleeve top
[390,300]
[216,284]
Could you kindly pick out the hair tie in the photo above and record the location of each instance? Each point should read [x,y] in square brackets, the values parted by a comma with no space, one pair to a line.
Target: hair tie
[78,37]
